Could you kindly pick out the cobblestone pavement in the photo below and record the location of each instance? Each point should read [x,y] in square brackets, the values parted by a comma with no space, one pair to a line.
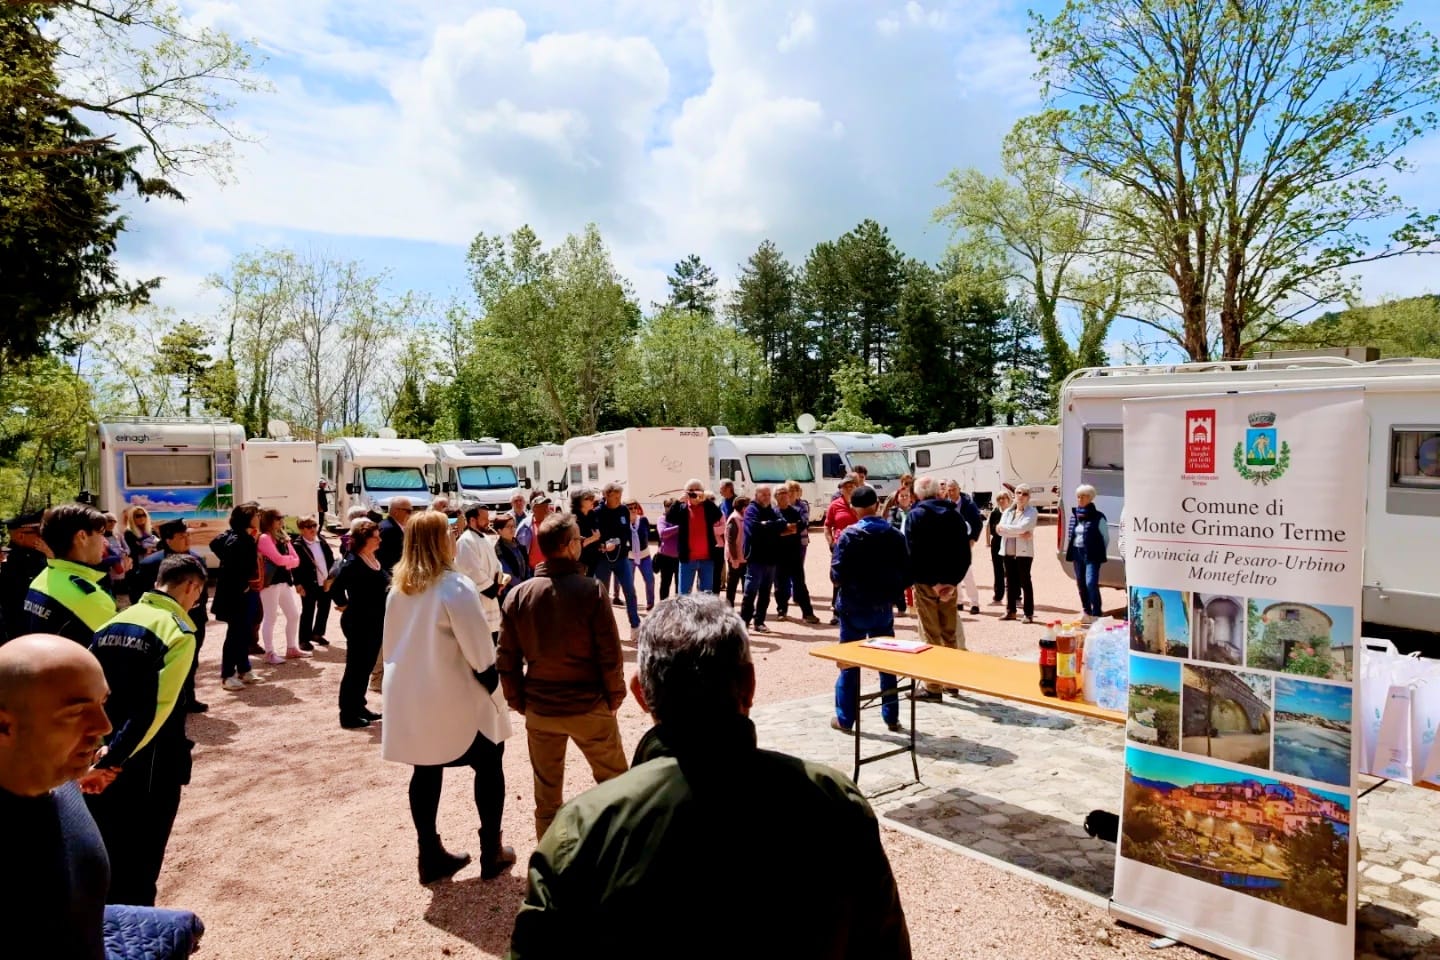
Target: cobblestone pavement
[1015,784]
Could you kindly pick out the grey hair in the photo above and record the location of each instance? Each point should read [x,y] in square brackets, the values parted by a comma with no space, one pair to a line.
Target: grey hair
[689,658]
[762,486]
[612,487]
[926,487]
[1022,488]
[693,482]
[1085,490]
[356,513]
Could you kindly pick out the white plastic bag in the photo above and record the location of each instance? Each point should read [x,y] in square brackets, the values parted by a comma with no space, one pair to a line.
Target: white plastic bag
[1392,747]
[1424,723]
[1380,671]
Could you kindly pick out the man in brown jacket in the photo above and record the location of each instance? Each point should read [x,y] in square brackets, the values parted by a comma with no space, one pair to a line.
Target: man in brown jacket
[561,666]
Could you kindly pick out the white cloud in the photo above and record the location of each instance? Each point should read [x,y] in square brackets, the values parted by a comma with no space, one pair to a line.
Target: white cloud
[801,29]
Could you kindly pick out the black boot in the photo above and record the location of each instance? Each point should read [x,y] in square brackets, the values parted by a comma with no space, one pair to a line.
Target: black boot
[495,857]
[437,863]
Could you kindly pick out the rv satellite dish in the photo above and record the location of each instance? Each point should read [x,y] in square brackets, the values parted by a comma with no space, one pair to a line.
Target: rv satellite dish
[805,423]
[277,429]
[385,433]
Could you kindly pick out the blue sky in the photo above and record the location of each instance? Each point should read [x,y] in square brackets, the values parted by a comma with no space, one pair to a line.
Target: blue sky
[1156,672]
[1171,768]
[398,129]
[1177,625]
[1342,631]
[1330,701]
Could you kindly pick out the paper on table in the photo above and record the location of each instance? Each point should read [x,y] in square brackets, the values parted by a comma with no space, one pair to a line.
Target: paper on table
[898,646]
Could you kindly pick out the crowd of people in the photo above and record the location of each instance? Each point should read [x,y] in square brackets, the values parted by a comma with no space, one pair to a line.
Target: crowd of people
[461,618]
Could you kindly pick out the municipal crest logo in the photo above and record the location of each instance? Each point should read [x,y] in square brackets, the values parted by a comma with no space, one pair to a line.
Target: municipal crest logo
[1263,456]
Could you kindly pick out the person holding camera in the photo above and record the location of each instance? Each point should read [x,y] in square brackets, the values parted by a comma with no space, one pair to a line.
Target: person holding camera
[612,522]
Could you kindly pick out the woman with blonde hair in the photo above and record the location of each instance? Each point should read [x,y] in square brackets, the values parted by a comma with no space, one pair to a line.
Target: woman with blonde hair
[278,558]
[442,705]
[141,541]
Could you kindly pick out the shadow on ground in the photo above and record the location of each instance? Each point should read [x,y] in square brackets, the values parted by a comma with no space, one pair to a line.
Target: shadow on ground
[480,912]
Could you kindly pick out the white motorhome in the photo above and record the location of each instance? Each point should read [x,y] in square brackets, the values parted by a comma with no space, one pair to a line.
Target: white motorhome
[371,471]
[834,453]
[281,474]
[651,463]
[747,461]
[1402,400]
[477,472]
[541,468]
[173,467]
[986,460]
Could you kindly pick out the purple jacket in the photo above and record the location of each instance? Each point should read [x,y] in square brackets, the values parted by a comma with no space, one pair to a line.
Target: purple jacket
[669,538]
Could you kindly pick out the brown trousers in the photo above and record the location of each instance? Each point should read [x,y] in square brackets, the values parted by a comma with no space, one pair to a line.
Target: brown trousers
[596,734]
[940,624]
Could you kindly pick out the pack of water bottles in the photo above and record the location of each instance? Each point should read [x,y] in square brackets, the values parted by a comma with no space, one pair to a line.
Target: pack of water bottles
[1106,678]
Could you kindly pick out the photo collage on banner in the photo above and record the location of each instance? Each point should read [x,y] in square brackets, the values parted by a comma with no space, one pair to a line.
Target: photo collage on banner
[1243,542]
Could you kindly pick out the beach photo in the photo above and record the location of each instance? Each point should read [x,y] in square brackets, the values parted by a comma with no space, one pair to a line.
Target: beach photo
[1226,715]
[1217,628]
[1256,835]
[1159,622]
[1154,712]
[1312,730]
[1311,639]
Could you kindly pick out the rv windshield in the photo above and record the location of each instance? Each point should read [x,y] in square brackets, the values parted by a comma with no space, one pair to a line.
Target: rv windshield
[395,480]
[881,464]
[495,477]
[779,467]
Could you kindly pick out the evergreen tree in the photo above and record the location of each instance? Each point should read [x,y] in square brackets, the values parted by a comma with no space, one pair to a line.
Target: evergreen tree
[692,286]
[184,354]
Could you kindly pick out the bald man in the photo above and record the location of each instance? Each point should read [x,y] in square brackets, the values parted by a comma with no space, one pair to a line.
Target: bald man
[52,723]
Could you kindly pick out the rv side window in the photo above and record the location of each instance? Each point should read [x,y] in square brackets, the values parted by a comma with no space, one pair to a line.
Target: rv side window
[520,470]
[169,470]
[1416,458]
[730,470]
[1104,448]
[594,471]
[577,473]
[922,459]
[987,448]
[609,460]
[832,467]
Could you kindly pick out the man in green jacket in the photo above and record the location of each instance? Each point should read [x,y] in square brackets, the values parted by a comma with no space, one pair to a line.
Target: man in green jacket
[709,846]
[134,790]
[66,597]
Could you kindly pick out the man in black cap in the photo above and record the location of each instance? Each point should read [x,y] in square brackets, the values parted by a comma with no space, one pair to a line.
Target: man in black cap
[175,538]
[24,562]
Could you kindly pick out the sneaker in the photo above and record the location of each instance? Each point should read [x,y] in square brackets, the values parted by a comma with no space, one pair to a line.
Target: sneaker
[834,621]
[274,659]
[1029,619]
[811,618]
[252,677]
[759,628]
[300,654]
[1087,619]
[974,608]
[233,683]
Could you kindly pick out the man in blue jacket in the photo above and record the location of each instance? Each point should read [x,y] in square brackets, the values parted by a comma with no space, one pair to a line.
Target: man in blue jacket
[939,538]
[871,567]
[612,521]
[764,526]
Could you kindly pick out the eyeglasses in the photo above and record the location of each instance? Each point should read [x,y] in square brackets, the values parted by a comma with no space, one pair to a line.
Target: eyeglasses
[692,493]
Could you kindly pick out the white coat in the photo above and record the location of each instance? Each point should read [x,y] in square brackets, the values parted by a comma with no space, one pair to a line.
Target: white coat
[435,643]
[475,557]
[1013,526]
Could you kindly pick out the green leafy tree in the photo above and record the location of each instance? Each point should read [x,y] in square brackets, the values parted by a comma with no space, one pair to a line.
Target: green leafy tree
[1398,328]
[44,406]
[1250,143]
[693,286]
[855,389]
[693,370]
[184,354]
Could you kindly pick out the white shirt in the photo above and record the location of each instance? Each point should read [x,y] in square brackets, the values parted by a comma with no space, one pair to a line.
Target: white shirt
[475,557]
[435,643]
[318,552]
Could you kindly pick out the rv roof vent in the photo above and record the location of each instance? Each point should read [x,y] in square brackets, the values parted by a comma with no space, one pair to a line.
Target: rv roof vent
[386,433]
[278,429]
[718,431]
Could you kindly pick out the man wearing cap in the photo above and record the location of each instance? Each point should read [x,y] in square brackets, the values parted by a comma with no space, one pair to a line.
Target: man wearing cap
[134,791]
[66,598]
[175,539]
[24,562]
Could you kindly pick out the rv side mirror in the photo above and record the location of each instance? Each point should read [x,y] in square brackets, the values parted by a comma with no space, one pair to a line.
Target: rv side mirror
[525,483]
[351,490]
[446,487]
[85,496]
[553,487]
[435,487]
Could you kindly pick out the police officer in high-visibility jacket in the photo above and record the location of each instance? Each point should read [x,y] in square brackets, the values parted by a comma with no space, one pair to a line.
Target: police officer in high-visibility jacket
[66,597]
[134,790]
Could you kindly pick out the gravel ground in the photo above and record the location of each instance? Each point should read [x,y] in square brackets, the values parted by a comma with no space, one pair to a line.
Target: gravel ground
[294,838]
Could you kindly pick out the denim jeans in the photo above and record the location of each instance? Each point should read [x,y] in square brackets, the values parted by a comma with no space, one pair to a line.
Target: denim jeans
[702,570]
[645,567]
[624,571]
[879,623]
[1087,581]
[759,578]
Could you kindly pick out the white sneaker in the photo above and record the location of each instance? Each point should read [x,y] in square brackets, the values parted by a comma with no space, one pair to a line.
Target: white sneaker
[233,683]
[251,677]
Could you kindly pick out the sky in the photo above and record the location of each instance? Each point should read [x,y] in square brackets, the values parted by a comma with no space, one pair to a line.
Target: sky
[1155,672]
[1177,625]
[1174,769]
[398,129]
[1331,701]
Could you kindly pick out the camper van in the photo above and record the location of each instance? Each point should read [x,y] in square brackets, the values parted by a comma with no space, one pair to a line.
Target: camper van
[1402,495]
[986,460]
[371,471]
[747,461]
[173,467]
[836,453]
[476,472]
[652,463]
[281,475]
[541,469]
